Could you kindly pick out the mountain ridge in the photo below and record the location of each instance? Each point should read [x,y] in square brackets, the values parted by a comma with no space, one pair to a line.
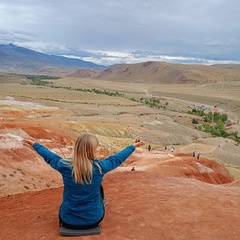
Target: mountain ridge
[15,59]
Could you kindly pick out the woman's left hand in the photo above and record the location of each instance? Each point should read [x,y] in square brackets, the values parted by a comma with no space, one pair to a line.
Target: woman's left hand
[139,144]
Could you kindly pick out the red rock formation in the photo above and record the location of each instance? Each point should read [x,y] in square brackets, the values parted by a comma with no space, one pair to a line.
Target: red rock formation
[168,196]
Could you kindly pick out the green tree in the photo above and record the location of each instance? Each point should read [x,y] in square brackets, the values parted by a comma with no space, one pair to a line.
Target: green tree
[224,117]
[210,116]
[194,121]
[206,119]
[216,116]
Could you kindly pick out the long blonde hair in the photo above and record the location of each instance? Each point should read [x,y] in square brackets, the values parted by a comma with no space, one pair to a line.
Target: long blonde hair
[83,157]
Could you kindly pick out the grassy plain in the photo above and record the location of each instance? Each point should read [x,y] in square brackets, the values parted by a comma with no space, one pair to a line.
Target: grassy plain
[119,120]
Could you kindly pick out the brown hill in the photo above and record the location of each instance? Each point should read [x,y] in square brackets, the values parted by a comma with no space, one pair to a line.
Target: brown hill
[83,73]
[161,72]
[228,66]
[13,78]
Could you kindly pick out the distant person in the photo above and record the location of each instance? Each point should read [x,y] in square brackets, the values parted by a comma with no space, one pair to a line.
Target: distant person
[83,197]
[198,156]
[165,148]
[133,169]
[194,154]
[173,148]
[149,147]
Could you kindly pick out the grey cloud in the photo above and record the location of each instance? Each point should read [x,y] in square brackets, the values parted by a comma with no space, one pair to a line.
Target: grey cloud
[15,36]
[200,28]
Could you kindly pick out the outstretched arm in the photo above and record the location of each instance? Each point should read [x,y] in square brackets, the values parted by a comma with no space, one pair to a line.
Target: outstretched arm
[117,159]
[50,157]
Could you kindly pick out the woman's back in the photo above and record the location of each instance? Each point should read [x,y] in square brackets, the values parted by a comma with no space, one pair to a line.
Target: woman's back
[81,203]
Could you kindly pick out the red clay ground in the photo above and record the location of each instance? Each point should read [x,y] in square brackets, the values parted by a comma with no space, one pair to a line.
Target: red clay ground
[170,196]
[141,206]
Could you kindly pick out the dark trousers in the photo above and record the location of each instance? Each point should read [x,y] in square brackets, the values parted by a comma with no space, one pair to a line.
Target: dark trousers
[69,226]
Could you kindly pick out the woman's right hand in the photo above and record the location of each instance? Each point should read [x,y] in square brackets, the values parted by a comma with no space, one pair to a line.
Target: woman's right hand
[28,142]
[139,144]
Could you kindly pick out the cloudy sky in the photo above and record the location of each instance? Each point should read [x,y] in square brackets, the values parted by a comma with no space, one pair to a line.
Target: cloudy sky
[121,31]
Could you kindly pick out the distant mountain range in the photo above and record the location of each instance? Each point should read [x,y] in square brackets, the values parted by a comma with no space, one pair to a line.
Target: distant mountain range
[14,59]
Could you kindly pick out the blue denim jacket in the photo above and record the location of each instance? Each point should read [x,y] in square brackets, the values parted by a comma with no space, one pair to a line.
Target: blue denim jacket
[81,204]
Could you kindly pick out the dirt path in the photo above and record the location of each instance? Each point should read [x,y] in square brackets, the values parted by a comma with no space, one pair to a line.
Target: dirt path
[197,147]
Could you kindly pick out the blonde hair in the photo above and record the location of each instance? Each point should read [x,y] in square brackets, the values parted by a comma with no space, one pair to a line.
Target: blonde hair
[83,157]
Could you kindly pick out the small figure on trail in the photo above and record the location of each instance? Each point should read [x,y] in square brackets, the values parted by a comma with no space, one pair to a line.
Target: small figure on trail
[149,147]
[173,148]
[133,169]
[165,148]
[194,154]
[198,156]
[83,202]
